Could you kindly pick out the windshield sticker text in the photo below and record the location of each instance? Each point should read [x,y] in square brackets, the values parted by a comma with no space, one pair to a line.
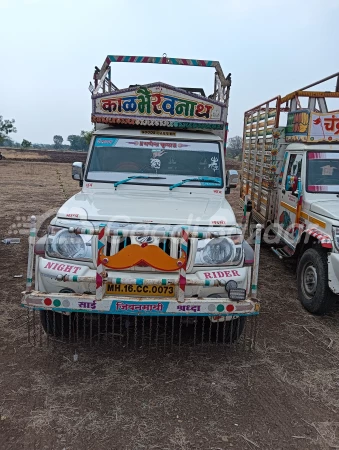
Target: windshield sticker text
[105,142]
[158,144]
[214,164]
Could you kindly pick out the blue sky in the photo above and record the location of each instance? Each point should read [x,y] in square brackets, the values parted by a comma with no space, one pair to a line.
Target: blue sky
[49,49]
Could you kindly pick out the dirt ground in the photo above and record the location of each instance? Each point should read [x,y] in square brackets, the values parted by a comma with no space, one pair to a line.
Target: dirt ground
[284,395]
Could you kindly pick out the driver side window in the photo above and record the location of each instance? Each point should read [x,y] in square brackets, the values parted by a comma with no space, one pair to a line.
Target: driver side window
[293,172]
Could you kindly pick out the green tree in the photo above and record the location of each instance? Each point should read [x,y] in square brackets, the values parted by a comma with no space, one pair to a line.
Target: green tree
[6,127]
[77,142]
[58,140]
[87,135]
[26,144]
[234,147]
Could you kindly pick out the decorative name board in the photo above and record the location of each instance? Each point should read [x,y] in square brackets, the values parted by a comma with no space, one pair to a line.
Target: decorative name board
[158,102]
[324,127]
[303,126]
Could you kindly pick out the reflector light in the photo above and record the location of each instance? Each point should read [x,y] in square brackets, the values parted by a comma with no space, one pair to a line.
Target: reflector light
[229,308]
[48,301]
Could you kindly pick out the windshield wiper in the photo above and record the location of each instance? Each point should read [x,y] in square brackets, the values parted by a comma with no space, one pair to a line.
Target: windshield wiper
[126,180]
[204,179]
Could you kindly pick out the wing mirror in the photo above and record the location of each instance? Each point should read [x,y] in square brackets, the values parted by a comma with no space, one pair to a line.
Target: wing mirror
[232,179]
[78,172]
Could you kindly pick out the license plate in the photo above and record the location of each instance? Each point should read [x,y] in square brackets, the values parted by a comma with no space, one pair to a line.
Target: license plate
[140,291]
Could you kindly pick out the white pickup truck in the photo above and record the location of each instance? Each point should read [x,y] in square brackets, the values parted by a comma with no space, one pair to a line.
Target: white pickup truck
[291,185]
[150,233]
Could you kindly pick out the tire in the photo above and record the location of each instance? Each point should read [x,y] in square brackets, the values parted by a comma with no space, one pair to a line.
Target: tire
[312,273]
[56,324]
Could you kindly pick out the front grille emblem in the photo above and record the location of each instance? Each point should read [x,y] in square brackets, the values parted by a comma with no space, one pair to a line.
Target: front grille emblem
[144,239]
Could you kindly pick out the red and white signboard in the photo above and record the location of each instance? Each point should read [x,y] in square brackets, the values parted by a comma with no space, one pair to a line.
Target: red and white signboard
[324,127]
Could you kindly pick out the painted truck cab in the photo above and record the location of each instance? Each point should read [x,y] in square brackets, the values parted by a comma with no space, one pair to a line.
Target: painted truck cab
[296,187]
[151,232]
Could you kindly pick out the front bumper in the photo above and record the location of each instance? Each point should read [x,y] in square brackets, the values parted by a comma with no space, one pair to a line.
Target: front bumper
[69,303]
[205,293]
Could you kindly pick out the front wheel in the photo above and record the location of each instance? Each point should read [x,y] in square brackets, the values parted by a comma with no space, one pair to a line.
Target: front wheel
[313,290]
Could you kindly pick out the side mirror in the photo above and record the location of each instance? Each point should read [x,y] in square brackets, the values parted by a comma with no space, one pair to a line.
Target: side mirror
[78,172]
[232,178]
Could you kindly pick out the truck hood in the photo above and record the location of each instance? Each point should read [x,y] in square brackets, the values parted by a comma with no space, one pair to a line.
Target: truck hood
[326,208]
[129,207]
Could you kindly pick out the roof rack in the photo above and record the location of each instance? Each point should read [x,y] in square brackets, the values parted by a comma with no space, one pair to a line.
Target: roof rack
[101,75]
[158,103]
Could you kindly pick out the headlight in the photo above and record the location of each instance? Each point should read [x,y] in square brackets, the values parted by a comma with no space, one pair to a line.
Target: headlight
[219,251]
[336,237]
[65,245]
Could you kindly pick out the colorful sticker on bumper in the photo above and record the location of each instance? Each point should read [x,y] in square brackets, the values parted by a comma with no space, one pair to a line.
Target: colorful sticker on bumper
[124,306]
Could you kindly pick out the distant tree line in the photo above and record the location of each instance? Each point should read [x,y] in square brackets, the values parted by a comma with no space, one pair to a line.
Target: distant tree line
[80,142]
[76,142]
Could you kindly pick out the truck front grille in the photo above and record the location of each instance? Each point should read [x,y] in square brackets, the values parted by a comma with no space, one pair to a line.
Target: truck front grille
[171,246]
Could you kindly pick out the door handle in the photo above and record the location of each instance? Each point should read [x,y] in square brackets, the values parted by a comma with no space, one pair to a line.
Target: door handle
[283,191]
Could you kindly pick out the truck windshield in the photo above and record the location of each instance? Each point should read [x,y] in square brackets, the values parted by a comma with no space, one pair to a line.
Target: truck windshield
[323,172]
[166,161]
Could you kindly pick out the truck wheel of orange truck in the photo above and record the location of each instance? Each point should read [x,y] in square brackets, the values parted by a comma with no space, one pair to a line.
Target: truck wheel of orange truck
[313,290]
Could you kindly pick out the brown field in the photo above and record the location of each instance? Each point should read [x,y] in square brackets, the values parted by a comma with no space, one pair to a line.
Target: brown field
[32,155]
[284,395]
